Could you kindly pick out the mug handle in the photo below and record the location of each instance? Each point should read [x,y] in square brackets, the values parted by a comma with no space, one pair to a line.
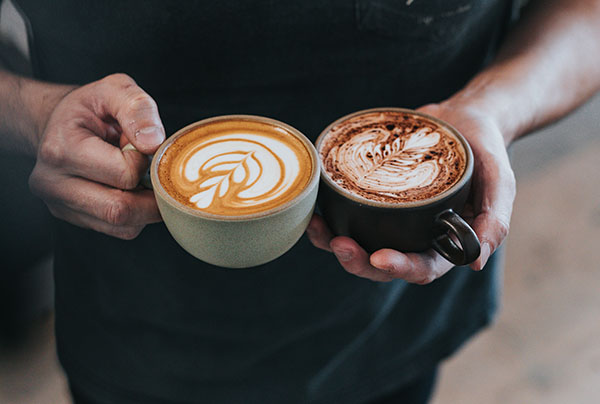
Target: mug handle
[449,223]
[145,180]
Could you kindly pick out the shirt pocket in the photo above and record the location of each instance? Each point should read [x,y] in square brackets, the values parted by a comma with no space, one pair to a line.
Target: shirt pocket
[423,25]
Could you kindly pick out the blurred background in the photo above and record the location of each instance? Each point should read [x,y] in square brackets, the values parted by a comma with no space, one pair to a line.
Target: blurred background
[543,348]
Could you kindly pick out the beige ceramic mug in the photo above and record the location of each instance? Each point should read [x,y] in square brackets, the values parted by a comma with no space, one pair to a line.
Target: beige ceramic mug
[238,241]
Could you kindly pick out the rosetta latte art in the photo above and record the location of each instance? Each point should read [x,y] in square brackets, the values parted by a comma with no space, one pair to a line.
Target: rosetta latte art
[388,167]
[238,171]
[392,158]
[225,169]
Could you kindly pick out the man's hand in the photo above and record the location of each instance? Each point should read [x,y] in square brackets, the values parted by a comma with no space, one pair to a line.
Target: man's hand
[546,67]
[81,172]
[493,191]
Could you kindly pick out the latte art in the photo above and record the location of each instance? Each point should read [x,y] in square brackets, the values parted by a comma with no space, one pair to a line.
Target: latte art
[370,162]
[238,170]
[235,169]
[392,157]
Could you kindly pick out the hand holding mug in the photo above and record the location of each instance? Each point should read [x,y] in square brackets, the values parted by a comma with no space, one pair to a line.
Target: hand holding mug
[81,173]
[493,194]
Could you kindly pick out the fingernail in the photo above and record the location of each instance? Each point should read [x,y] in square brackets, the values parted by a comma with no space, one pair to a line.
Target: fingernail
[151,136]
[343,255]
[485,254]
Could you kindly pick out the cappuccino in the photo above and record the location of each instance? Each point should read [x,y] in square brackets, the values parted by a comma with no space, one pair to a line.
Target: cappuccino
[397,178]
[235,167]
[392,156]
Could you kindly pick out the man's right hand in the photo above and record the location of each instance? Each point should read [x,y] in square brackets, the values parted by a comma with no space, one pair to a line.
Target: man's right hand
[81,173]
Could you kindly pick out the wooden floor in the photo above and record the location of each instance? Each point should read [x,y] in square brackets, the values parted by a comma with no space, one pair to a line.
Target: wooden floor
[545,345]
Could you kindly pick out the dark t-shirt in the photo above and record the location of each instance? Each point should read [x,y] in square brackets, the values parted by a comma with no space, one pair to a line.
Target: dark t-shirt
[143,321]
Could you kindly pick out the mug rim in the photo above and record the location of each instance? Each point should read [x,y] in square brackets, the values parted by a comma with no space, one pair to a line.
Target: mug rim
[456,187]
[161,192]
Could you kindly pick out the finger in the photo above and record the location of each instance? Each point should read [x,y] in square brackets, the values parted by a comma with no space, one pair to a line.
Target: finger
[88,222]
[80,147]
[495,190]
[318,233]
[105,127]
[419,268]
[355,260]
[135,111]
[92,158]
[112,206]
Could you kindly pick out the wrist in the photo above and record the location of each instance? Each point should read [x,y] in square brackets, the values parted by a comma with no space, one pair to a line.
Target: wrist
[488,95]
[39,100]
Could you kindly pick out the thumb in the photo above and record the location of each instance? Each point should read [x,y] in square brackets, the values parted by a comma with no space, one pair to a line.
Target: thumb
[135,111]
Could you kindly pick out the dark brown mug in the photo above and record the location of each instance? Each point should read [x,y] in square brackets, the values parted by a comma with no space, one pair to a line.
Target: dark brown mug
[412,226]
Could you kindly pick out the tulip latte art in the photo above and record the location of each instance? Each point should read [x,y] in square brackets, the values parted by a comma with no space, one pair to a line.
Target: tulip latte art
[391,156]
[235,167]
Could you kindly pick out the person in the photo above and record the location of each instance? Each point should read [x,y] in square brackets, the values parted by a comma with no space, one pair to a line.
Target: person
[138,320]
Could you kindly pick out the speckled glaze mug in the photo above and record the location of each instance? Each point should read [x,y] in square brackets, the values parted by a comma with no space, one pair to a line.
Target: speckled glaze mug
[240,240]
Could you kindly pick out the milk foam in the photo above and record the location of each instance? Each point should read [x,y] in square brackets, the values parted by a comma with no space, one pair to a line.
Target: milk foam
[235,167]
[392,156]
[263,167]
[392,167]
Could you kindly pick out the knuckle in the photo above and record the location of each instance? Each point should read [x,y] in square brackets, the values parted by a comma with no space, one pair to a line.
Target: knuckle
[128,233]
[119,79]
[426,279]
[52,152]
[503,228]
[140,101]
[118,212]
[511,181]
[386,279]
[127,179]
[388,270]
[506,176]
[35,183]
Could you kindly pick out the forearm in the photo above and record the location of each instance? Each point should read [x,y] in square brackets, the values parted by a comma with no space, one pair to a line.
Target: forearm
[25,106]
[548,66]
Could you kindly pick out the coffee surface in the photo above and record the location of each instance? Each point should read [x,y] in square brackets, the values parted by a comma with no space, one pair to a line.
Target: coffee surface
[392,156]
[235,167]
